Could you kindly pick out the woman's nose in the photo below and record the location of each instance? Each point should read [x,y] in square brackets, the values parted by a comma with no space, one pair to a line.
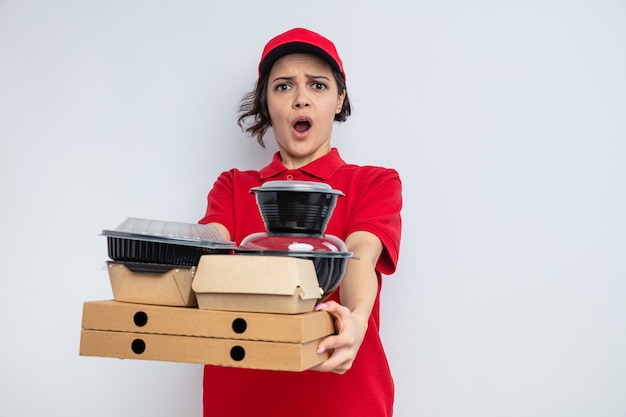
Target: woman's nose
[301,100]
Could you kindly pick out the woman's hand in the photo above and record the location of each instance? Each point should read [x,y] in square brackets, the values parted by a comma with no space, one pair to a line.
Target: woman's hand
[346,343]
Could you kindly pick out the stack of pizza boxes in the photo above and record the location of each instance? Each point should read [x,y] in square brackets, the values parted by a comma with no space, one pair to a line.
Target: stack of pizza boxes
[183,294]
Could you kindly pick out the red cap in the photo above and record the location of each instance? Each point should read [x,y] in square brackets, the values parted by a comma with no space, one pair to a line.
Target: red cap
[299,40]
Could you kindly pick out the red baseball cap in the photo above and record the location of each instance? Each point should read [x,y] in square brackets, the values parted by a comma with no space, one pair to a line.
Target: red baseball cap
[299,40]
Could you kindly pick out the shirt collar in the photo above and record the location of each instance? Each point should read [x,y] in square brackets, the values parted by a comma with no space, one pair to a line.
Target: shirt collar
[322,168]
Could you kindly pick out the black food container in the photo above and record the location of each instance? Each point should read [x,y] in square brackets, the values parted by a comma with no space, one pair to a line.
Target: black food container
[139,242]
[296,206]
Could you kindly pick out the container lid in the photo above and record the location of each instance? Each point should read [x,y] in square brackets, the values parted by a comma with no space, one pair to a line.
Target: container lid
[159,231]
[323,246]
[298,186]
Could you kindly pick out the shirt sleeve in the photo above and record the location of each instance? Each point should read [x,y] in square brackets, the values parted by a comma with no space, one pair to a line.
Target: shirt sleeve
[220,203]
[377,210]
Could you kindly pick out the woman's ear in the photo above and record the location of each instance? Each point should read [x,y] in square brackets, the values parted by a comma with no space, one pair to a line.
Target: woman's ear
[340,100]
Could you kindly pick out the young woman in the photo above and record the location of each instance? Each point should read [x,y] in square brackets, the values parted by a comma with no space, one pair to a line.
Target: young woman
[301,91]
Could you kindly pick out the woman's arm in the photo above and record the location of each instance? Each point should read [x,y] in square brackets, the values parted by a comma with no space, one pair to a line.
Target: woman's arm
[222,229]
[357,292]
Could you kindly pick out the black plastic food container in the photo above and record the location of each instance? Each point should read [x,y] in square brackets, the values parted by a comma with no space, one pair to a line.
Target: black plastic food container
[134,250]
[166,243]
[296,206]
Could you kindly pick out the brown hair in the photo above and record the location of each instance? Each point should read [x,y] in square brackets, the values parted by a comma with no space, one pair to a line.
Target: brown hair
[254,105]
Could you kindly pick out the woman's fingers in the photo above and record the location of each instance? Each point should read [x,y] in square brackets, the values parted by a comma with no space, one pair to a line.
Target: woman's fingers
[342,345]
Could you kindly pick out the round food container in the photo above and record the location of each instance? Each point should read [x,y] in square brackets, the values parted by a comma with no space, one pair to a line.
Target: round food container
[296,206]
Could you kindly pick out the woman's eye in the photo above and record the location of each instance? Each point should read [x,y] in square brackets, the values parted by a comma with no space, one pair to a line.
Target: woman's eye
[319,86]
[283,87]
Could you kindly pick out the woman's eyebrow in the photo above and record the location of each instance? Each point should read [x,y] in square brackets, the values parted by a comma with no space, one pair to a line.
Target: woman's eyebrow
[317,76]
[308,76]
[283,78]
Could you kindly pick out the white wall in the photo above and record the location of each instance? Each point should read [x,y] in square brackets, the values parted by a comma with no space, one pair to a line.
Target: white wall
[506,120]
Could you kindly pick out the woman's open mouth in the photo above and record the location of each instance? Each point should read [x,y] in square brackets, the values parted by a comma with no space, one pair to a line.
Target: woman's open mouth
[302,125]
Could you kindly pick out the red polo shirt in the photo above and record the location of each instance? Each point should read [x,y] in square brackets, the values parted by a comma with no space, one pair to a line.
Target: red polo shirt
[372,203]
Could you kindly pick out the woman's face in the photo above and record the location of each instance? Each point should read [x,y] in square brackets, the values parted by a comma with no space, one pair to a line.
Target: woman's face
[302,100]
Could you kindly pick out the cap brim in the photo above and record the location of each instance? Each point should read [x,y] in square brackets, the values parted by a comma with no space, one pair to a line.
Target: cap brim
[294,48]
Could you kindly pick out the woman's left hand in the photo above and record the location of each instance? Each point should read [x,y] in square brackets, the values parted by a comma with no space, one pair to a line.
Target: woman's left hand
[345,345]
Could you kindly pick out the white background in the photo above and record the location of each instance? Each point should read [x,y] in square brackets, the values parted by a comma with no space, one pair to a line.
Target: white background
[506,121]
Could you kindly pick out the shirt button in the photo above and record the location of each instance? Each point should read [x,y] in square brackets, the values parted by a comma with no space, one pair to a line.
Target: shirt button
[289,177]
